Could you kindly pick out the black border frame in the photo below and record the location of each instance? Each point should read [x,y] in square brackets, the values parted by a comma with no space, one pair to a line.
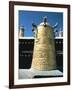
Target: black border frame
[11,43]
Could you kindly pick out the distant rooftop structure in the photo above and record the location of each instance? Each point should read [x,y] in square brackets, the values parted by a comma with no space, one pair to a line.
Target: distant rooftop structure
[21,31]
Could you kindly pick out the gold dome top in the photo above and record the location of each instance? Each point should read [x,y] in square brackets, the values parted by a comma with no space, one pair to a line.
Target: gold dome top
[44,23]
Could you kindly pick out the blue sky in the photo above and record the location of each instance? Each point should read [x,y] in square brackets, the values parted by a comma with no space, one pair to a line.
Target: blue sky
[26,18]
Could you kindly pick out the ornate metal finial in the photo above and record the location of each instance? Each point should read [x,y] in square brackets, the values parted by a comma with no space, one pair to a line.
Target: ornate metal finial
[34,29]
[55,26]
[45,20]
[33,26]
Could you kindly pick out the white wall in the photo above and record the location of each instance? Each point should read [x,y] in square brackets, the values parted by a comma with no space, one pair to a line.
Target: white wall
[4,45]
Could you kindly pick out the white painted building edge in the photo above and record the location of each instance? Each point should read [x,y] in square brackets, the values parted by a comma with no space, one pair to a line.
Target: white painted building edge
[34,38]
